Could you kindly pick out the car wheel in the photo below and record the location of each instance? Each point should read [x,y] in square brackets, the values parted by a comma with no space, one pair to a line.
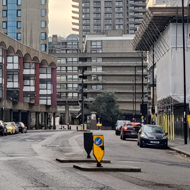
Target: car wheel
[117,132]
[137,143]
[2,133]
[22,131]
[140,143]
[122,137]
[6,133]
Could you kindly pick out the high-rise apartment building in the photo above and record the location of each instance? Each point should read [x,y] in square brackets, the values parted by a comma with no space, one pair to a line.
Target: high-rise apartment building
[26,21]
[110,66]
[97,16]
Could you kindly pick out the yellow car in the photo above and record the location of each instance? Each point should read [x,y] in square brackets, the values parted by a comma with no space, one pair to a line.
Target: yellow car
[10,128]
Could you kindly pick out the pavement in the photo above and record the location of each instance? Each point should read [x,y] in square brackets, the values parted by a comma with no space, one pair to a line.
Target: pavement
[179,146]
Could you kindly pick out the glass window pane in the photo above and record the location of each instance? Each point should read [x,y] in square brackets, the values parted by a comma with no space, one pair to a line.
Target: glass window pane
[4,13]
[43,2]
[18,13]
[43,23]
[43,12]
[19,2]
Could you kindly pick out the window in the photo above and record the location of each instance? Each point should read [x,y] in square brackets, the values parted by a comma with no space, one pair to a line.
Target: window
[72,86]
[43,35]
[19,2]
[29,65]
[18,24]
[4,13]
[45,70]
[18,13]
[72,95]
[12,76]
[86,4]
[108,3]
[43,47]
[45,85]
[72,77]
[96,44]
[61,86]
[61,60]
[43,23]
[61,69]
[97,69]
[4,25]
[18,36]
[118,3]
[4,2]
[96,15]
[43,2]
[72,69]
[43,12]
[97,3]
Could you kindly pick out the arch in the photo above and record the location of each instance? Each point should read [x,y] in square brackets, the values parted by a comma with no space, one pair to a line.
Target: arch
[53,65]
[73,37]
[27,57]
[10,50]
[44,63]
[36,59]
[19,53]
[2,44]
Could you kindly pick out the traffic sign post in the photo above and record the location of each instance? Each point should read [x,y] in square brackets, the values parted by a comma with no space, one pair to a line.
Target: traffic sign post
[98,148]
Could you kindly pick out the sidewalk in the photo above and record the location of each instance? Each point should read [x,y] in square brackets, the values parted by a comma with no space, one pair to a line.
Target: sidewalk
[179,146]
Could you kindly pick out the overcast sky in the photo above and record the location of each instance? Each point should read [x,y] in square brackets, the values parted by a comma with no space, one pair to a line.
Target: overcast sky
[60,17]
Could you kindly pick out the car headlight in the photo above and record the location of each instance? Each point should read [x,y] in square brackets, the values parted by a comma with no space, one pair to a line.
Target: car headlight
[164,137]
[143,135]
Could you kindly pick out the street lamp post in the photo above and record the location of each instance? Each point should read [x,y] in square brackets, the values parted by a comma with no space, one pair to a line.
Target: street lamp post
[184,78]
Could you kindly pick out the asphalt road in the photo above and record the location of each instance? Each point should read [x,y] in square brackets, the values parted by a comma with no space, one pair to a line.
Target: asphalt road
[27,162]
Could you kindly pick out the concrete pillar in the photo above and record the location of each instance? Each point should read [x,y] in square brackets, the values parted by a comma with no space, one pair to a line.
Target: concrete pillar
[11,114]
[19,116]
[67,113]
[45,120]
[37,121]
[54,127]
[42,119]
[29,119]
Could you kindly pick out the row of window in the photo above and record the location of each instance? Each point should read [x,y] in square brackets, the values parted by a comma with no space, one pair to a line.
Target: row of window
[18,24]
[87,10]
[67,60]
[67,69]
[19,2]
[98,3]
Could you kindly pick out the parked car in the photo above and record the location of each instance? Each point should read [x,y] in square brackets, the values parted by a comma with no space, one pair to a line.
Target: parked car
[119,124]
[10,128]
[3,129]
[130,130]
[152,135]
[16,127]
[22,127]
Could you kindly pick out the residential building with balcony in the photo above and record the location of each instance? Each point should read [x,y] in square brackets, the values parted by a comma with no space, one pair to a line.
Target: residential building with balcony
[27,83]
[26,21]
[95,16]
[111,66]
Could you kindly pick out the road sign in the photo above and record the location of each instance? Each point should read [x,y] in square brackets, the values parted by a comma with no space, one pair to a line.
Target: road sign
[98,148]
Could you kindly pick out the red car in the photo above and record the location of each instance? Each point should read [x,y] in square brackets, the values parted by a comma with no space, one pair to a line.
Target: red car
[130,130]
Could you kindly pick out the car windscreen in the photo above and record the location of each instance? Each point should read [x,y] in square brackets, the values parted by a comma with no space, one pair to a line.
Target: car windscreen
[121,123]
[8,124]
[153,129]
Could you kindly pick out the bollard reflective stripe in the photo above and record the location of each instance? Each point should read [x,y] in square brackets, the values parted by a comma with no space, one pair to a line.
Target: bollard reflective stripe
[98,147]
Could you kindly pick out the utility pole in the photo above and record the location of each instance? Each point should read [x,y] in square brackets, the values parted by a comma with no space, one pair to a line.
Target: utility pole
[184,78]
